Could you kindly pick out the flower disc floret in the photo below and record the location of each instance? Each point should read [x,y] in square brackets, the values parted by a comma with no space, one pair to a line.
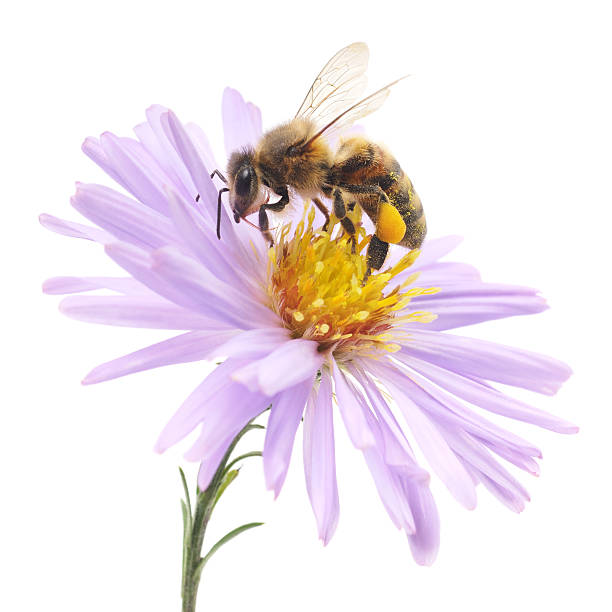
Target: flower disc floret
[316,288]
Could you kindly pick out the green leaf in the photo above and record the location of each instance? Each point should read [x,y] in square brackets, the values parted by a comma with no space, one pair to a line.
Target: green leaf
[224,540]
[186,540]
[186,489]
[186,517]
[227,481]
[241,457]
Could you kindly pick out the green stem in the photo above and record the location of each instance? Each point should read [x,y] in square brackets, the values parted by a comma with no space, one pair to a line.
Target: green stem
[195,522]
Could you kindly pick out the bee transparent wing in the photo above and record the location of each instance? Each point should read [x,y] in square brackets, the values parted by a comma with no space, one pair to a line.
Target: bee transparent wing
[357,111]
[339,85]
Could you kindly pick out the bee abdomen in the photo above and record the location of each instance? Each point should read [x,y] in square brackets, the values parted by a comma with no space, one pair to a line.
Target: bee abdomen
[408,203]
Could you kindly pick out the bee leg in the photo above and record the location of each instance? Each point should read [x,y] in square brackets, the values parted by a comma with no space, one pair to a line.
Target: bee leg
[221,192]
[324,210]
[264,224]
[375,256]
[340,212]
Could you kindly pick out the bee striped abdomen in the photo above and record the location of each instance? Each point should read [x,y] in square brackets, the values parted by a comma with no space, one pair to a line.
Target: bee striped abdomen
[360,162]
[408,204]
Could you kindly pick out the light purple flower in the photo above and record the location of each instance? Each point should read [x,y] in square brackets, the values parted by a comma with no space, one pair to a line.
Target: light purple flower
[380,356]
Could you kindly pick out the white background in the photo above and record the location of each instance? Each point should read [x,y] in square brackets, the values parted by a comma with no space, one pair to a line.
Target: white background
[505,130]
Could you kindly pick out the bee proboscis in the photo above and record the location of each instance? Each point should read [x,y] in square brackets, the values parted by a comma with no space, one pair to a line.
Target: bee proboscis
[297,155]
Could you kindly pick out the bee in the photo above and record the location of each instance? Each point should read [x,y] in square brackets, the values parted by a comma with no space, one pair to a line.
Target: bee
[298,156]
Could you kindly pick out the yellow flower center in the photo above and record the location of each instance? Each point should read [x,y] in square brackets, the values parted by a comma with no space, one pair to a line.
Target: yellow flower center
[316,287]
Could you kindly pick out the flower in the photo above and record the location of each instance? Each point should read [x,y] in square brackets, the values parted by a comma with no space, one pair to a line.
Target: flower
[298,331]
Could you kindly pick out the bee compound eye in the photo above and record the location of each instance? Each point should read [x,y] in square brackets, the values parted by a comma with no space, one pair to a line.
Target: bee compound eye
[243,181]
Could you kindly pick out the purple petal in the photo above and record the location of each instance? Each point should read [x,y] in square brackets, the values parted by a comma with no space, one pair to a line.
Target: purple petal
[352,414]
[445,273]
[289,364]
[447,410]
[388,478]
[208,293]
[389,491]
[477,455]
[139,172]
[223,415]
[435,449]
[434,249]
[199,406]
[482,359]
[132,311]
[202,145]
[242,269]
[123,217]
[254,343]
[522,461]
[397,450]
[154,139]
[201,239]
[192,346]
[211,461]
[486,397]
[200,175]
[511,500]
[241,122]
[93,149]
[426,540]
[285,416]
[320,460]
[60,285]
[139,263]
[470,303]
[74,230]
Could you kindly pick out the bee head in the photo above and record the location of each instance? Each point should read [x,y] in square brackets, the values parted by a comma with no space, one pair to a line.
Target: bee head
[244,184]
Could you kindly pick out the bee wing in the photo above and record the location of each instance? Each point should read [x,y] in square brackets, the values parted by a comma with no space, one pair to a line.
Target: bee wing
[339,85]
[360,109]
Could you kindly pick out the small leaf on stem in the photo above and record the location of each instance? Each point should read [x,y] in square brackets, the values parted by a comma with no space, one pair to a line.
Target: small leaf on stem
[224,540]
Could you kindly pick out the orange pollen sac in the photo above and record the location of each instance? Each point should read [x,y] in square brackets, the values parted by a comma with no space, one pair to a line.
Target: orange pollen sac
[315,285]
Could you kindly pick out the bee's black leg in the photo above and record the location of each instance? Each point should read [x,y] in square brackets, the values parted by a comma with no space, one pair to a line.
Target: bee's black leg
[221,191]
[275,207]
[264,225]
[376,255]
[324,210]
[219,174]
[373,190]
[340,212]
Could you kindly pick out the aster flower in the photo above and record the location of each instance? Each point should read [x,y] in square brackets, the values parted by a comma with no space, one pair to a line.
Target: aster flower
[298,333]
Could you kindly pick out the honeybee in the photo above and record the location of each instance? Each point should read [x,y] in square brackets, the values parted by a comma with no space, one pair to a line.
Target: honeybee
[297,155]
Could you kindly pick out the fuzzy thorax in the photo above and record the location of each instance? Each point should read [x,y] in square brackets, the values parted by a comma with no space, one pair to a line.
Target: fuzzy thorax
[315,285]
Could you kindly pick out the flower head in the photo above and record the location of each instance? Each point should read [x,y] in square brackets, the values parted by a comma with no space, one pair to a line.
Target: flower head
[315,284]
[299,330]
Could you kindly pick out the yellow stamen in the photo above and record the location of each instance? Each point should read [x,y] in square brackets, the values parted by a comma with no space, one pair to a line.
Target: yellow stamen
[316,287]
